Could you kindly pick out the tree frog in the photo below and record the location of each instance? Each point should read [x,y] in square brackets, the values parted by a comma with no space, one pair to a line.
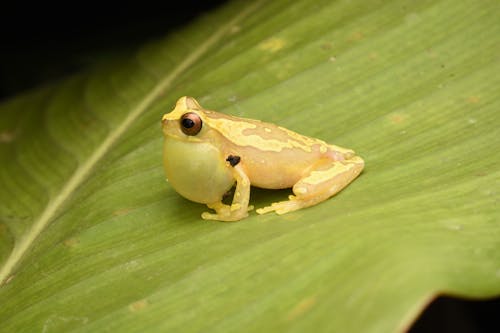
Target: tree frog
[206,153]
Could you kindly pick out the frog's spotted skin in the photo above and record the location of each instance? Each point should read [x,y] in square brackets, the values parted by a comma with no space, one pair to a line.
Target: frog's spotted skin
[206,153]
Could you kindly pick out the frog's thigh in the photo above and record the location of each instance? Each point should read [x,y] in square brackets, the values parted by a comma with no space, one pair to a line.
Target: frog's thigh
[325,179]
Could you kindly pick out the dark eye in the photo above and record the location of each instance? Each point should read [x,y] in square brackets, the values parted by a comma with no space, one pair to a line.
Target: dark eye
[191,123]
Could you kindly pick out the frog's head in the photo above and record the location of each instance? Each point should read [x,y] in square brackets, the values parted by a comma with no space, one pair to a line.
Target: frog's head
[185,121]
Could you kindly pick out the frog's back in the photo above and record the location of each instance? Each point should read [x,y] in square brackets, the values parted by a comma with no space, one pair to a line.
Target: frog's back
[245,132]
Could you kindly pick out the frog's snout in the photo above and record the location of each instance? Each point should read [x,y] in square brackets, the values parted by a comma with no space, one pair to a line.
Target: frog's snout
[164,120]
[164,125]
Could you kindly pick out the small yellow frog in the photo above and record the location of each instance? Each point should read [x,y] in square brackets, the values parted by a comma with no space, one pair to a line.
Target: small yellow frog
[205,153]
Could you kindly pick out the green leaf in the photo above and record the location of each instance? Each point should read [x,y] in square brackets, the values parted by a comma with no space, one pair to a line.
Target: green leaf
[93,239]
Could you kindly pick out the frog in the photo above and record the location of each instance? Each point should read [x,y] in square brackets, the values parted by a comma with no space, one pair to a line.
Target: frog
[208,154]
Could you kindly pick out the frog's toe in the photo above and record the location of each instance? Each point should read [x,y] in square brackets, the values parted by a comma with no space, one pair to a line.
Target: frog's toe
[264,210]
[209,216]
[281,207]
[225,216]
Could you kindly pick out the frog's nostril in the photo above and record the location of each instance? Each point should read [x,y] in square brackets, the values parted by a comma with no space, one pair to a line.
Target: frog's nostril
[164,122]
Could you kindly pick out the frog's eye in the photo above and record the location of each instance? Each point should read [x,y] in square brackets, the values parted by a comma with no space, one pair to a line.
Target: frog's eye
[191,123]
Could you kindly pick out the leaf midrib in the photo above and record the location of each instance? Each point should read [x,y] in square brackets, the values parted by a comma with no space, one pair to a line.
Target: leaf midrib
[83,171]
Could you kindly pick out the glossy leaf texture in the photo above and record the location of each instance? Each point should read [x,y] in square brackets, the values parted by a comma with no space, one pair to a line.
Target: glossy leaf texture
[92,238]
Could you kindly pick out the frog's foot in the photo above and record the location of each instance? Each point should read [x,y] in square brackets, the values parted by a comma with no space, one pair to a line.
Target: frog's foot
[283,207]
[225,212]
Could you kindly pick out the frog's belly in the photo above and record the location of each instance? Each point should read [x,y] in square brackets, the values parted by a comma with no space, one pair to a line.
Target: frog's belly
[197,171]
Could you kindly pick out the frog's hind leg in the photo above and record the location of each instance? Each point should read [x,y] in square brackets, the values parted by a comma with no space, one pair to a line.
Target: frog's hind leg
[325,179]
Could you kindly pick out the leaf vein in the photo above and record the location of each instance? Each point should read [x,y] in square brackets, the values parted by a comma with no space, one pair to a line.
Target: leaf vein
[82,172]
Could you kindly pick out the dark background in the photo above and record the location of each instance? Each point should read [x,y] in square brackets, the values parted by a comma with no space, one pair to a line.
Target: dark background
[41,43]
[44,42]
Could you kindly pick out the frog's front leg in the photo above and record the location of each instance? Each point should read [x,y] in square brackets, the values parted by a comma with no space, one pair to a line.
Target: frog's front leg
[239,207]
[326,178]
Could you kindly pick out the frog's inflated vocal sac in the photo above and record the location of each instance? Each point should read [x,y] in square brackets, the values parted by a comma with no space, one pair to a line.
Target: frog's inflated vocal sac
[205,153]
